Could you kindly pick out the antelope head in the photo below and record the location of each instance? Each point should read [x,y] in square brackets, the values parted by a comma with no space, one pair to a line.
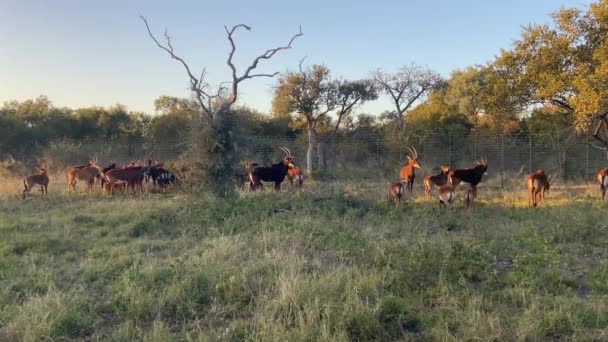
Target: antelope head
[445,169]
[94,163]
[482,165]
[412,159]
[288,159]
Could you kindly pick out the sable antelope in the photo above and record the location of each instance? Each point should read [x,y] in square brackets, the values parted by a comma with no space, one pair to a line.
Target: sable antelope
[407,172]
[275,173]
[602,177]
[446,196]
[438,180]
[295,174]
[86,173]
[471,176]
[132,176]
[396,192]
[120,185]
[242,179]
[101,175]
[41,179]
[159,175]
[538,185]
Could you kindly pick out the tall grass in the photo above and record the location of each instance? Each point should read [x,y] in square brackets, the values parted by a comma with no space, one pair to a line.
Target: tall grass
[334,261]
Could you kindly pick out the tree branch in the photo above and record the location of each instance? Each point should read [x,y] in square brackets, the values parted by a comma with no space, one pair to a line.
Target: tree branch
[246,75]
[196,85]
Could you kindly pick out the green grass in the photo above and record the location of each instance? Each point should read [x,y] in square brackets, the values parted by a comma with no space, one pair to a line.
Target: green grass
[332,262]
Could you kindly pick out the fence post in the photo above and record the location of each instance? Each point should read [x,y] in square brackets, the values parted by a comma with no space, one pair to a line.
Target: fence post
[449,150]
[502,160]
[530,151]
[587,160]
[475,144]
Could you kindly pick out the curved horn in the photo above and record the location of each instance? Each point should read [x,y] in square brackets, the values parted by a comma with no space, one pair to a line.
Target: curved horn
[411,152]
[415,152]
[288,151]
[284,149]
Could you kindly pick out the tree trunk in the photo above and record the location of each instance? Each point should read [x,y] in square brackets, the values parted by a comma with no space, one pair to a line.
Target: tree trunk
[312,140]
[216,152]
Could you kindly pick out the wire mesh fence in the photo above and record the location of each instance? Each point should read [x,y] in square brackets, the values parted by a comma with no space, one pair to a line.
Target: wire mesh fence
[361,154]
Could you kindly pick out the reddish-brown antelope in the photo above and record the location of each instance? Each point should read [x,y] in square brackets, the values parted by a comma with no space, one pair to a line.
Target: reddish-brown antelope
[86,173]
[41,179]
[436,180]
[395,192]
[602,177]
[538,185]
[446,196]
[294,174]
[407,174]
[132,176]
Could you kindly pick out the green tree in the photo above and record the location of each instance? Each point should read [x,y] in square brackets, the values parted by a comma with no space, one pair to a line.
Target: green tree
[312,95]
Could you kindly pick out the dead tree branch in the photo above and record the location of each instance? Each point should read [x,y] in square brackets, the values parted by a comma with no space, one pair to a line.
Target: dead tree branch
[247,74]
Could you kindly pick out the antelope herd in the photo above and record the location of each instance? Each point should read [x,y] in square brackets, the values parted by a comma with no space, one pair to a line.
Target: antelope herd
[113,178]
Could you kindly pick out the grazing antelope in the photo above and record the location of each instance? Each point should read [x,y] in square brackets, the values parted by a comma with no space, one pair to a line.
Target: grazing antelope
[86,173]
[41,179]
[407,172]
[396,192]
[471,176]
[438,180]
[294,174]
[275,173]
[446,196]
[602,177]
[538,185]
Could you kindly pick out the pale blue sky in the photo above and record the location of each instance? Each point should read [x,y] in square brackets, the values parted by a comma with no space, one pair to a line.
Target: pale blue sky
[84,53]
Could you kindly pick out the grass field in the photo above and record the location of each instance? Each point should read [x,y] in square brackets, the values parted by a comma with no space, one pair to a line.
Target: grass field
[335,261]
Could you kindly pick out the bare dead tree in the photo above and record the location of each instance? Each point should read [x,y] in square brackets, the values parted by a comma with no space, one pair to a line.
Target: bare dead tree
[408,85]
[201,89]
[214,141]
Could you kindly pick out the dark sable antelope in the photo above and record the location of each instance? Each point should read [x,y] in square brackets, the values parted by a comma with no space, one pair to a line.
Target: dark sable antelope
[471,176]
[407,172]
[436,180]
[160,176]
[41,179]
[294,174]
[275,173]
[395,192]
[86,173]
[538,185]
[602,177]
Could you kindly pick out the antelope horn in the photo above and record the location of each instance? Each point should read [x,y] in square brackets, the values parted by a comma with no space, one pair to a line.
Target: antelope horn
[284,149]
[288,151]
[415,152]
[411,152]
